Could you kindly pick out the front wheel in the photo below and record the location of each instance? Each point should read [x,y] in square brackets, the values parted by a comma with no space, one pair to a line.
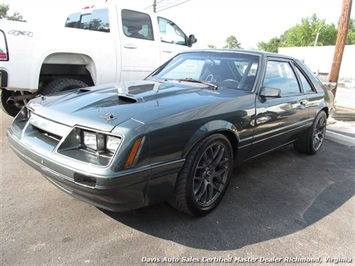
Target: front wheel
[312,140]
[205,176]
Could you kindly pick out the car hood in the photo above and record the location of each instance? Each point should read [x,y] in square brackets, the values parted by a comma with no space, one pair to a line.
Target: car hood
[104,107]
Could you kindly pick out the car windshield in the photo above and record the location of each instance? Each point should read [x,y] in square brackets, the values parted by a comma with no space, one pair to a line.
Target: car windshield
[229,70]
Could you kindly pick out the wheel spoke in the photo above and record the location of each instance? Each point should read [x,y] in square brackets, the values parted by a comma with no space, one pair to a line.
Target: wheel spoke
[209,193]
[319,133]
[220,174]
[218,155]
[215,187]
[201,191]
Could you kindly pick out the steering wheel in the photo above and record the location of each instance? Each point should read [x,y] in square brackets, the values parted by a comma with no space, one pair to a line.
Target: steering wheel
[231,83]
[210,78]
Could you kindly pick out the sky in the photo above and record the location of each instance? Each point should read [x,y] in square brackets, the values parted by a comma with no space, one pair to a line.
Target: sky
[212,21]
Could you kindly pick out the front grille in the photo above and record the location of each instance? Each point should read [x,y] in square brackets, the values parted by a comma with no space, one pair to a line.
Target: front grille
[49,135]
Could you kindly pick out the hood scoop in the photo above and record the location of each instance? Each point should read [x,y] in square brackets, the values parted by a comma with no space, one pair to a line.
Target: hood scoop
[86,89]
[126,99]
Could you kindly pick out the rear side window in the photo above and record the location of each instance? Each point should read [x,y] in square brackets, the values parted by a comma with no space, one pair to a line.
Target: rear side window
[137,25]
[96,20]
[307,88]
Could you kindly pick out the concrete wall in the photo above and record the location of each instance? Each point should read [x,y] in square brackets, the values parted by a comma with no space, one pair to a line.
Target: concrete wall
[319,59]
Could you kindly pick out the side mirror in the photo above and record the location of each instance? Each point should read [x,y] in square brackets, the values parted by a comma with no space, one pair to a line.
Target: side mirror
[191,40]
[270,92]
[330,85]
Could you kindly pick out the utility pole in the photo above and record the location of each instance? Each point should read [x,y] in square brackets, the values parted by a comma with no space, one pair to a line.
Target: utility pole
[155,6]
[340,44]
[162,5]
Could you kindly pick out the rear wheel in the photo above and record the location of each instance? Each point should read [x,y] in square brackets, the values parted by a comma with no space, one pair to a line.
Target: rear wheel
[205,176]
[62,84]
[312,140]
[54,86]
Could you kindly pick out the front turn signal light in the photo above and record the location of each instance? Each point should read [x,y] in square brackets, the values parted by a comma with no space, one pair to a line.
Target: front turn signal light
[134,152]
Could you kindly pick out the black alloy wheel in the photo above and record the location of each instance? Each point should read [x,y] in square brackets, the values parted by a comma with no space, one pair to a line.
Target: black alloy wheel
[311,142]
[205,176]
[319,132]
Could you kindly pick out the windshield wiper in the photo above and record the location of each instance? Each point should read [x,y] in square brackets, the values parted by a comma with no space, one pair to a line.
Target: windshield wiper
[210,85]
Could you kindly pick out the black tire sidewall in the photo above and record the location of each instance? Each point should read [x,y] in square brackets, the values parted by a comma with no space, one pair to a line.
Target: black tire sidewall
[62,84]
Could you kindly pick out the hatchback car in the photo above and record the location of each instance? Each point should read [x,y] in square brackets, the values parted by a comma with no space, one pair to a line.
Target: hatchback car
[176,135]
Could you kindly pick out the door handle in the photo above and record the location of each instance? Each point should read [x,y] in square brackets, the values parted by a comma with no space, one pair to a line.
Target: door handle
[167,51]
[304,102]
[130,46]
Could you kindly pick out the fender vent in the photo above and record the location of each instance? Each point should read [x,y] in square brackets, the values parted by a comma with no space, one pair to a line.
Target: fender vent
[84,89]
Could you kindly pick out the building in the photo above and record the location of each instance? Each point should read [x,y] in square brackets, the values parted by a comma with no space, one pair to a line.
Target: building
[319,59]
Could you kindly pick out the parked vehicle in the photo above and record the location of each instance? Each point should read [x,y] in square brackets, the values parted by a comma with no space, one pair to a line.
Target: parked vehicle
[349,83]
[100,44]
[176,135]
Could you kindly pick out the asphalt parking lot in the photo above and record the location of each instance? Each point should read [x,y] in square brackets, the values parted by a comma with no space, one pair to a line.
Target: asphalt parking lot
[282,208]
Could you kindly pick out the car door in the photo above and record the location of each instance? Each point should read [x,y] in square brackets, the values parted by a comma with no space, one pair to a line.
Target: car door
[172,39]
[140,53]
[281,107]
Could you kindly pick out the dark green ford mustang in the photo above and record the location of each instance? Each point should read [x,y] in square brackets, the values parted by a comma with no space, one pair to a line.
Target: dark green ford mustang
[176,135]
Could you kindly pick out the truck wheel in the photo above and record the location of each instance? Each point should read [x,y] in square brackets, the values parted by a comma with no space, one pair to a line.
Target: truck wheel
[311,142]
[204,177]
[62,84]
[8,108]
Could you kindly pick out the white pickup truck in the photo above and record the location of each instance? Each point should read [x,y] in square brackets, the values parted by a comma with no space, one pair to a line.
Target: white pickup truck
[100,44]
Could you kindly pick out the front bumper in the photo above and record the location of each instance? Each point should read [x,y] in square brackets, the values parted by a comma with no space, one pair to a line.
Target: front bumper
[115,191]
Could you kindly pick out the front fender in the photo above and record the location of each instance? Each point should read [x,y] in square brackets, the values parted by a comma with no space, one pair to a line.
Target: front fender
[217,126]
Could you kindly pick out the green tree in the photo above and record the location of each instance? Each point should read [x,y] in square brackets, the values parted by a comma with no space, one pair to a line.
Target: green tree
[211,46]
[310,30]
[232,42]
[271,46]
[4,9]
[350,39]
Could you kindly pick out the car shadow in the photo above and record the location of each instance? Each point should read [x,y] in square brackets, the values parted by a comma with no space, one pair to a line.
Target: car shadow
[269,197]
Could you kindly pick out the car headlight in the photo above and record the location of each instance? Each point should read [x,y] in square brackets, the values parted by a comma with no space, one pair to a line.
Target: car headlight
[112,143]
[90,146]
[89,140]
[100,142]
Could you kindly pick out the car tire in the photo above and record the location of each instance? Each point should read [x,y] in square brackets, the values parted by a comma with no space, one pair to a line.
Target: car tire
[62,84]
[311,142]
[205,176]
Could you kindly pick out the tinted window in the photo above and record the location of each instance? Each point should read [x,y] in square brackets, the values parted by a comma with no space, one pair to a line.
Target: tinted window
[307,88]
[280,75]
[137,25]
[97,20]
[170,32]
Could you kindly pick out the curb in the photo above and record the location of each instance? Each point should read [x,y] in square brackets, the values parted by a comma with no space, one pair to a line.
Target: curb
[340,138]
[345,116]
